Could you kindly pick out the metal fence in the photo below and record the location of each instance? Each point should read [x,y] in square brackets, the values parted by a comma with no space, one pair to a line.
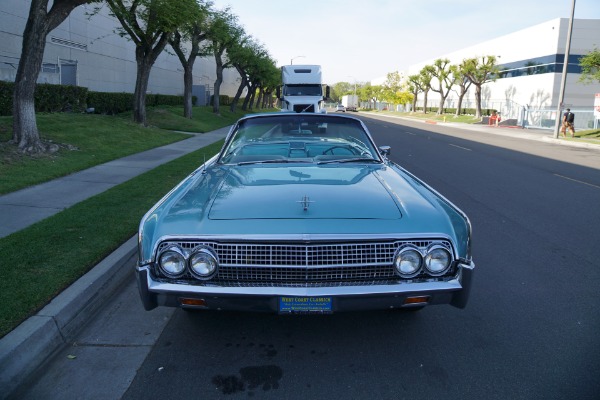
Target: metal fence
[524,115]
[546,119]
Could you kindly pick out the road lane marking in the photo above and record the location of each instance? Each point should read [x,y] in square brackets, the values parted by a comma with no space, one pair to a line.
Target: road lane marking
[460,147]
[575,180]
[410,133]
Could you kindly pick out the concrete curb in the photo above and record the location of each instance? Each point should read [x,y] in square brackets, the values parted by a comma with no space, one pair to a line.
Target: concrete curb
[571,143]
[25,349]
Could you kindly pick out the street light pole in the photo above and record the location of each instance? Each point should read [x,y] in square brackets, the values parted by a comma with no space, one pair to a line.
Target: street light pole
[563,83]
[292,60]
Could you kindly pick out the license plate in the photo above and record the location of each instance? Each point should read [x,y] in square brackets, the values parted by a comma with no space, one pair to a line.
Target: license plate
[305,305]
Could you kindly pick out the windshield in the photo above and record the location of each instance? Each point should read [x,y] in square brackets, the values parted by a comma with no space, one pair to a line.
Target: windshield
[302,90]
[309,138]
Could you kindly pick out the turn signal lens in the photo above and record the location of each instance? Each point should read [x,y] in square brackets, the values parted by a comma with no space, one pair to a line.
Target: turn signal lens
[184,301]
[416,300]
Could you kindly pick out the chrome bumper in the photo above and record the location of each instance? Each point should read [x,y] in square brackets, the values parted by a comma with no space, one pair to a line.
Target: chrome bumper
[344,298]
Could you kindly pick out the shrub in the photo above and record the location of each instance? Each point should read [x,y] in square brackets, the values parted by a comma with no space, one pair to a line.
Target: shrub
[48,98]
[224,100]
[60,98]
[6,93]
[110,103]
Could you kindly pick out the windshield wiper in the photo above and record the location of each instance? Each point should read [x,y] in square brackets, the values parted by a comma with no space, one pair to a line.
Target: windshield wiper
[274,161]
[349,160]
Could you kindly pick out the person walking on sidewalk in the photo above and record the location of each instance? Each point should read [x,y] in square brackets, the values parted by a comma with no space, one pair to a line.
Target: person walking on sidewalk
[567,123]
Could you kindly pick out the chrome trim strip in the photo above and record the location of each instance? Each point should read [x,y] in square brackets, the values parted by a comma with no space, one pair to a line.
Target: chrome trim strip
[400,288]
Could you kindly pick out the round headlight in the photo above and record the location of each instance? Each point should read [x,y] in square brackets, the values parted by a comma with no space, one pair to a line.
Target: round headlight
[437,260]
[203,263]
[172,262]
[408,262]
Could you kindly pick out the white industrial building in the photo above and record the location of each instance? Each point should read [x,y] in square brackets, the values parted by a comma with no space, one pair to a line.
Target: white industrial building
[531,61]
[87,51]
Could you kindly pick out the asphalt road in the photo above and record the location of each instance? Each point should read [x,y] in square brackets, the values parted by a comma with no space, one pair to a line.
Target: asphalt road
[529,331]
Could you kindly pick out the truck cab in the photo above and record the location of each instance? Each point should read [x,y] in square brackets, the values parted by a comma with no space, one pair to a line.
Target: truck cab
[303,89]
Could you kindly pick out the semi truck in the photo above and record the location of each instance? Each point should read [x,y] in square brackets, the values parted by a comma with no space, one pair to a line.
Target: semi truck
[303,89]
[350,101]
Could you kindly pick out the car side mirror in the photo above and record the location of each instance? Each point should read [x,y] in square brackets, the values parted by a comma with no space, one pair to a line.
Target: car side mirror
[385,150]
[279,92]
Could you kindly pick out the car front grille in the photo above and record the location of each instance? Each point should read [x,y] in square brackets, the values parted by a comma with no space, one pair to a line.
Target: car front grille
[304,108]
[281,264]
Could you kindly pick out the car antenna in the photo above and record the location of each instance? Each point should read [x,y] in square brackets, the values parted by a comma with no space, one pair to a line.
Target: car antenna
[204,165]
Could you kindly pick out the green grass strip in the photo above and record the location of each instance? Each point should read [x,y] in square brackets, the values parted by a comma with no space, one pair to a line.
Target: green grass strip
[87,140]
[39,262]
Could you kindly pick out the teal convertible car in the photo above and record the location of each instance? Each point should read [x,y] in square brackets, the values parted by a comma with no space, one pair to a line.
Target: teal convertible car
[302,213]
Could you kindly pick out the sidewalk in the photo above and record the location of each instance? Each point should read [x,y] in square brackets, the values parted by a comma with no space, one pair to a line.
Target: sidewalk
[25,349]
[512,131]
[22,208]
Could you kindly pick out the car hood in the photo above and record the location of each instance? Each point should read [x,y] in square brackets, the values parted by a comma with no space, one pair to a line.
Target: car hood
[315,192]
[270,200]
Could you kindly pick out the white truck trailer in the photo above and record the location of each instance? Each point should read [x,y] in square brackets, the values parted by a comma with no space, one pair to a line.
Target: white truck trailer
[302,89]
[350,101]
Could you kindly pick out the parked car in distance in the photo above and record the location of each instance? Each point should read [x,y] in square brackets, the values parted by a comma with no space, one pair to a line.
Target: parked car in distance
[302,213]
[340,107]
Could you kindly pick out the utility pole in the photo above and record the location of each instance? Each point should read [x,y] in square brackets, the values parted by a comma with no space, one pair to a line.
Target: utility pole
[563,83]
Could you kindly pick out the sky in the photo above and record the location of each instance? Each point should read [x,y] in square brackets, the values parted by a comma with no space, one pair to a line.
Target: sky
[362,40]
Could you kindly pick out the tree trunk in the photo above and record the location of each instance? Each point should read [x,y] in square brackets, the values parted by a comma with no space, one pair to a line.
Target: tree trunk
[414,102]
[238,94]
[252,97]
[141,86]
[267,99]
[259,99]
[145,57]
[39,23]
[218,81]
[188,81]
[441,107]
[25,131]
[188,67]
[477,101]
[426,93]
[459,106]
[247,99]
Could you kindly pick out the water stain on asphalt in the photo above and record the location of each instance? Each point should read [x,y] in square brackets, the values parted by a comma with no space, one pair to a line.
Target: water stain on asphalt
[264,377]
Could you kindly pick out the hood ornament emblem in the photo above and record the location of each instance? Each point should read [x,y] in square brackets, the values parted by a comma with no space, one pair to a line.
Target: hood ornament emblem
[305,202]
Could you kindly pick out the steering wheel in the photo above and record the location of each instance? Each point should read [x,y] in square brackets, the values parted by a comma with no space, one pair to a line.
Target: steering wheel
[330,150]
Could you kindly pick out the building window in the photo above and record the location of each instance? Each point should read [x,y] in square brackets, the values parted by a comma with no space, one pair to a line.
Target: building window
[50,68]
[540,65]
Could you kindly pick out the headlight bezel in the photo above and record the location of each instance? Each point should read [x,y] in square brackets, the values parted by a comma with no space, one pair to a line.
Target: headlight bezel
[408,251]
[209,256]
[436,249]
[427,255]
[178,253]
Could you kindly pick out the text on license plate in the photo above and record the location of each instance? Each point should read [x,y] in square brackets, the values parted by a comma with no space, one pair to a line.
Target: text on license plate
[305,304]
